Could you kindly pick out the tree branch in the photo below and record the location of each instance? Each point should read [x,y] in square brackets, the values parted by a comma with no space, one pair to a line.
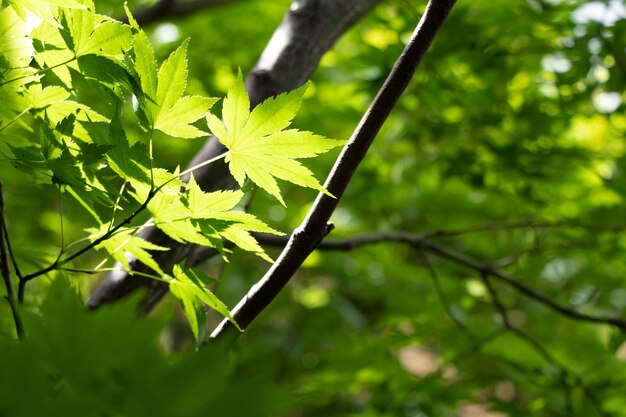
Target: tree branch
[6,270]
[169,9]
[420,241]
[307,31]
[309,234]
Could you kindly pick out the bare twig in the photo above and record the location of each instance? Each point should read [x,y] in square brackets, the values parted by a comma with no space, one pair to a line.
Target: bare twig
[443,297]
[306,237]
[536,346]
[420,241]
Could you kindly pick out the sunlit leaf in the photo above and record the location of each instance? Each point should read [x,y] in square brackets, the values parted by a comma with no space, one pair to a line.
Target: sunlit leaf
[258,147]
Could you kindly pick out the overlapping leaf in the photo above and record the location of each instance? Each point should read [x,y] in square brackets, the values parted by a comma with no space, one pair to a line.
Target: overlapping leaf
[260,148]
[162,105]
[190,289]
[126,240]
[43,9]
[198,217]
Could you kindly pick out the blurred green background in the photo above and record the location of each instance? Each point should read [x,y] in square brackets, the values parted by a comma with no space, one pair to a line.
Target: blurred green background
[510,138]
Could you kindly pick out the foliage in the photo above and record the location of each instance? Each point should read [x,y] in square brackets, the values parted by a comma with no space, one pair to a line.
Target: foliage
[73,145]
[507,149]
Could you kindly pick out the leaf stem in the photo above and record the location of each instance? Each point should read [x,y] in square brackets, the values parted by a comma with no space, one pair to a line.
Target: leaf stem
[100,270]
[201,164]
[57,264]
[61,262]
[38,72]
[16,118]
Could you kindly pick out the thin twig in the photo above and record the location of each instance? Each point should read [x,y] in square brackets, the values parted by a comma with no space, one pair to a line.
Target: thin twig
[421,241]
[6,270]
[86,248]
[536,346]
[443,297]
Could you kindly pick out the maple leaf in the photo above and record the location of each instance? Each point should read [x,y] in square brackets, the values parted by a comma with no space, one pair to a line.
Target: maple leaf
[260,148]
[162,105]
[190,289]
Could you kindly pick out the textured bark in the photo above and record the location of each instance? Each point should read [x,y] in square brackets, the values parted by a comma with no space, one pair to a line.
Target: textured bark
[308,30]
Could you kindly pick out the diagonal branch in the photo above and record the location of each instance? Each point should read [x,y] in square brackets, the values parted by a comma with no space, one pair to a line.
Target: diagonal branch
[310,233]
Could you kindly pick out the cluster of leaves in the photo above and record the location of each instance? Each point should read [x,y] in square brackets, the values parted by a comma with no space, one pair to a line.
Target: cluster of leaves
[50,133]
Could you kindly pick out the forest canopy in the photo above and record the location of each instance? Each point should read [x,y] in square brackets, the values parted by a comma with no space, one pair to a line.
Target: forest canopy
[160,164]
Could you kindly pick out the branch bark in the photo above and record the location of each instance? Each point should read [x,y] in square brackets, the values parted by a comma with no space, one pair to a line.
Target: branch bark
[170,9]
[310,233]
[308,30]
[5,269]
[420,241]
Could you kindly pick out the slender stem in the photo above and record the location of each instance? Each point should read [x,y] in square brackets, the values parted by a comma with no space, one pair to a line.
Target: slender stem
[200,165]
[117,202]
[100,270]
[60,262]
[6,271]
[538,347]
[41,71]
[93,244]
[16,118]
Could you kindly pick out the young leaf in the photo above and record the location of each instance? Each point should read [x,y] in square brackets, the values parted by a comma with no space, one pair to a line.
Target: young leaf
[125,240]
[52,52]
[212,213]
[161,102]
[40,98]
[188,287]
[258,146]
[110,38]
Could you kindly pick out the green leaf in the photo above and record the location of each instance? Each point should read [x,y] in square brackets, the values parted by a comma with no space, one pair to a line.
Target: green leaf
[41,98]
[212,213]
[125,240]
[145,71]
[60,110]
[235,110]
[105,71]
[172,77]
[202,205]
[44,9]
[110,39]
[258,146]
[16,48]
[77,26]
[52,52]
[189,288]
[176,120]
[131,19]
[162,103]
[126,161]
